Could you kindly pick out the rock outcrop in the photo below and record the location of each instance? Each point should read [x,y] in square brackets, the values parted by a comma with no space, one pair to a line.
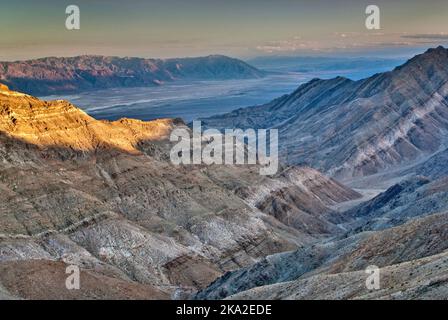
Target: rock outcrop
[423,279]
[393,249]
[411,198]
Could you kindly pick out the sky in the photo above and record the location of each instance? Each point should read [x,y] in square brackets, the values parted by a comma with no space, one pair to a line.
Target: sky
[243,28]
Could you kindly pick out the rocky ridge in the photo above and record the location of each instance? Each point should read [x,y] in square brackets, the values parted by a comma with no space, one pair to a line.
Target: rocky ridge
[350,129]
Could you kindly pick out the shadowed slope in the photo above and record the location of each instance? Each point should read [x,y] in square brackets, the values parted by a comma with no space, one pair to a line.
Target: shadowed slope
[358,128]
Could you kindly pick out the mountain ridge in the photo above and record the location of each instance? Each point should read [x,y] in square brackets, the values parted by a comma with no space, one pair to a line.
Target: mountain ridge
[60,124]
[54,75]
[350,129]
[400,239]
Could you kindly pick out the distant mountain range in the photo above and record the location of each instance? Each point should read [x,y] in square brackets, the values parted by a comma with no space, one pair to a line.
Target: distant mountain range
[358,128]
[67,75]
[303,64]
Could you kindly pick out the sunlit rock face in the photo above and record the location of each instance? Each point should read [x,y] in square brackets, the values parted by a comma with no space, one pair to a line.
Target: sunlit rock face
[105,196]
[359,128]
[60,124]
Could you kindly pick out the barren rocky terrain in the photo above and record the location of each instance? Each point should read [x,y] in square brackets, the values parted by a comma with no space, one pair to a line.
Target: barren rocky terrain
[424,279]
[387,135]
[104,196]
[345,257]
[350,129]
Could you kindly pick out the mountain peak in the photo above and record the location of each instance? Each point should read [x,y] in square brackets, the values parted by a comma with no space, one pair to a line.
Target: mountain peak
[439,52]
[5,91]
[438,49]
[3,87]
[431,56]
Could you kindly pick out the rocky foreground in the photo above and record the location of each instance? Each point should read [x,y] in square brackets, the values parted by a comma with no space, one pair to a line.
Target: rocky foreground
[105,197]
[412,257]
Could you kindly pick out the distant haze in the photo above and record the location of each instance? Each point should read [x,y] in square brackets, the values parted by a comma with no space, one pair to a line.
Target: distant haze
[245,29]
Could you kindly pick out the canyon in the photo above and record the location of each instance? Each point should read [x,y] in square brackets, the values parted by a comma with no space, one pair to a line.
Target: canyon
[384,136]
[362,181]
[104,196]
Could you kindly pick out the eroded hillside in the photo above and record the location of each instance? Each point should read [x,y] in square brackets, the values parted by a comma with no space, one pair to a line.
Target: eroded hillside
[104,196]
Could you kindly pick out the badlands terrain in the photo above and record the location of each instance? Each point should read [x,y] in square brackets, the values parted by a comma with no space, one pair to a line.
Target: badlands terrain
[104,196]
[386,134]
[363,182]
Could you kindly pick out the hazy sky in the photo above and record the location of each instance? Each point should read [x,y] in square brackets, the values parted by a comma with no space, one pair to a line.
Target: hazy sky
[243,28]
